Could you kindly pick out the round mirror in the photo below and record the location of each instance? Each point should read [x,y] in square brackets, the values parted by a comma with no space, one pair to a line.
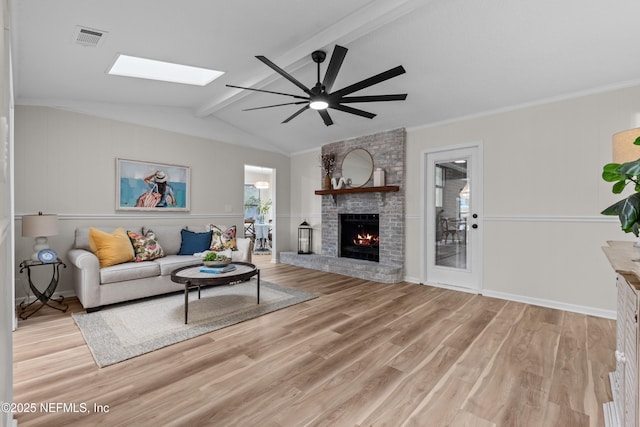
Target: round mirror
[357,166]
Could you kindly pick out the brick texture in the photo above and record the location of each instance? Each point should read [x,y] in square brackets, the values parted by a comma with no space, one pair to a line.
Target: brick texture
[388,152]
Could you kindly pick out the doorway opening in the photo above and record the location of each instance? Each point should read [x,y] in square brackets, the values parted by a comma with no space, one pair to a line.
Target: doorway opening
[260,209]
[452,217]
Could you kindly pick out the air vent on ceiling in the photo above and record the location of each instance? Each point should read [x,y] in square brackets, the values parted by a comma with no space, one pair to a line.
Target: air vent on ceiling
[89,36]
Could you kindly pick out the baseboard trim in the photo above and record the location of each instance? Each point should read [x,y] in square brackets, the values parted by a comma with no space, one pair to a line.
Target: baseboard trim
[591,311]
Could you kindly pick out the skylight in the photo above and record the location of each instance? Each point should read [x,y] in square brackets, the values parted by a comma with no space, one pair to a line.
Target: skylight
[131,66]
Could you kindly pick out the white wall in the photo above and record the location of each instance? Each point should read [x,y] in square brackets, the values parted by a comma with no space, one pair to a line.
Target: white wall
[306,177]
[543,194]
[65,164]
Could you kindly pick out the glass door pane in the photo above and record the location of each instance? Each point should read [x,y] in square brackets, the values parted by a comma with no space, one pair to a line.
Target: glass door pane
[451,213]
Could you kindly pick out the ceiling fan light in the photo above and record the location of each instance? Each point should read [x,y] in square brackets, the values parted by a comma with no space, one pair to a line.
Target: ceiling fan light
[318,104]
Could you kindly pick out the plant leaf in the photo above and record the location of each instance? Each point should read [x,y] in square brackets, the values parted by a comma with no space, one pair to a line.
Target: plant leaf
[630,169]
[610,172]
[618,187]
[628,212]
[637,141]
[613,209]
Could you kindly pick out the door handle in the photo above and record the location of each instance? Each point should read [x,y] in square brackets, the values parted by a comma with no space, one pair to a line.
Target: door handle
[474,226]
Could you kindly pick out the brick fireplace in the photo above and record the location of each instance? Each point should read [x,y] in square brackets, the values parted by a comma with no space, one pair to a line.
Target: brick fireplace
[388,152]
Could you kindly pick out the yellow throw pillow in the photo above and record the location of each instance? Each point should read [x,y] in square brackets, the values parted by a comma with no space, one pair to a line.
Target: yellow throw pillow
[111,248]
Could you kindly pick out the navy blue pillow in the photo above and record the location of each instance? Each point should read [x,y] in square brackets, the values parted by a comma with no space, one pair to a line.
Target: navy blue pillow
[194,242]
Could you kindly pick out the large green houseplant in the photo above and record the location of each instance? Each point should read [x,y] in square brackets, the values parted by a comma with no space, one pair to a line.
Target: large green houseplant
[627,209]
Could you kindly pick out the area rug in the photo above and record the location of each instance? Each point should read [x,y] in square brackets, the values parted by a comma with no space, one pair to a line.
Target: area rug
[124,331]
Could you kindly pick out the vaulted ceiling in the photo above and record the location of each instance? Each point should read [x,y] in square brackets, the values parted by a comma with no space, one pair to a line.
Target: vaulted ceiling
[462,57]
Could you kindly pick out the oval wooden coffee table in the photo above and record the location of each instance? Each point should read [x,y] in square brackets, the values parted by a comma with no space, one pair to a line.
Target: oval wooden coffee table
[192,277]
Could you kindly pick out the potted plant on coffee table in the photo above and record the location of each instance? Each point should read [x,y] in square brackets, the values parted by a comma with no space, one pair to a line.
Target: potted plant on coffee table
[213,259]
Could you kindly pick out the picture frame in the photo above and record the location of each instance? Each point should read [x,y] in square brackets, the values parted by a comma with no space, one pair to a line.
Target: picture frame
[150,186]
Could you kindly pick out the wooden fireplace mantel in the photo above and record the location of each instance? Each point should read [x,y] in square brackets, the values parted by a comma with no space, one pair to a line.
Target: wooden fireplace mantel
[335,192]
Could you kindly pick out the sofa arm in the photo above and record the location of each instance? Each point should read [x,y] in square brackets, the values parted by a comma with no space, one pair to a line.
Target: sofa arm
[85,269]
[243,254]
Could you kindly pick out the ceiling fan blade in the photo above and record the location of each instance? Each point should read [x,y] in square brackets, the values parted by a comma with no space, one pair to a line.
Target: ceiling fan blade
[326,117]
[373,98]
[276,105]
[352,110]
[268,91]
[335,63]
[306,107]
[284,74]
[378,78]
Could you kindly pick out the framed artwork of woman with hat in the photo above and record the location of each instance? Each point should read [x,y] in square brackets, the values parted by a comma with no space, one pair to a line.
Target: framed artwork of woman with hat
[151,186]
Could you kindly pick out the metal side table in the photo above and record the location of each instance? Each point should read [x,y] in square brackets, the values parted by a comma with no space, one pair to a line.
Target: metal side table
[45,296]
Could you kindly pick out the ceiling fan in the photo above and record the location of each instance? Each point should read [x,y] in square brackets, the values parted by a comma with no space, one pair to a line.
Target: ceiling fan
[321,98]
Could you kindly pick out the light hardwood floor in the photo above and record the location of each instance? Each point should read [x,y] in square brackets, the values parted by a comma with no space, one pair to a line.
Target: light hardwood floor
[362,354]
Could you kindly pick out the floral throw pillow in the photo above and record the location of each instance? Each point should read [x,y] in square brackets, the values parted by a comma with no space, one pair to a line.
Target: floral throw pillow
[145,247]
[222,240]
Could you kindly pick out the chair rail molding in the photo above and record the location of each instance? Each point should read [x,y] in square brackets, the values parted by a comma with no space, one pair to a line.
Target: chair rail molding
[551,218]
[154,216]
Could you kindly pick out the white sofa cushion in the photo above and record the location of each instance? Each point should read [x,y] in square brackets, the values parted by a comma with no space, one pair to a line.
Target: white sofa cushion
[128,271]
[172,262]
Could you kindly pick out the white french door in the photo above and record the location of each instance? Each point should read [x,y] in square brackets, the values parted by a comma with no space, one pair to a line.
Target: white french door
[452,218]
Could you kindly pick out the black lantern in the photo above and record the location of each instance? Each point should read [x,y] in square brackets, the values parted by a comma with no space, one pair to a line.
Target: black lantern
[304,238]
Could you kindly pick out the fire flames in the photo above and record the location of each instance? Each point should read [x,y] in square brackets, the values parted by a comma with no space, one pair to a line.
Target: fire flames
[366,240]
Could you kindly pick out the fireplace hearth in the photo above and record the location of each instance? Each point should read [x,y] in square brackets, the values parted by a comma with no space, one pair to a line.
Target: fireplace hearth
[359,236]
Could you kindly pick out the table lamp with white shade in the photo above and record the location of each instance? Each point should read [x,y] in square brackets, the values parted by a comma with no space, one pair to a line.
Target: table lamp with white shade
[40,227]
[624,150]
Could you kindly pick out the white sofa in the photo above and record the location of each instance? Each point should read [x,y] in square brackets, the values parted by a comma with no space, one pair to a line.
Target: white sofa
[96,287]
